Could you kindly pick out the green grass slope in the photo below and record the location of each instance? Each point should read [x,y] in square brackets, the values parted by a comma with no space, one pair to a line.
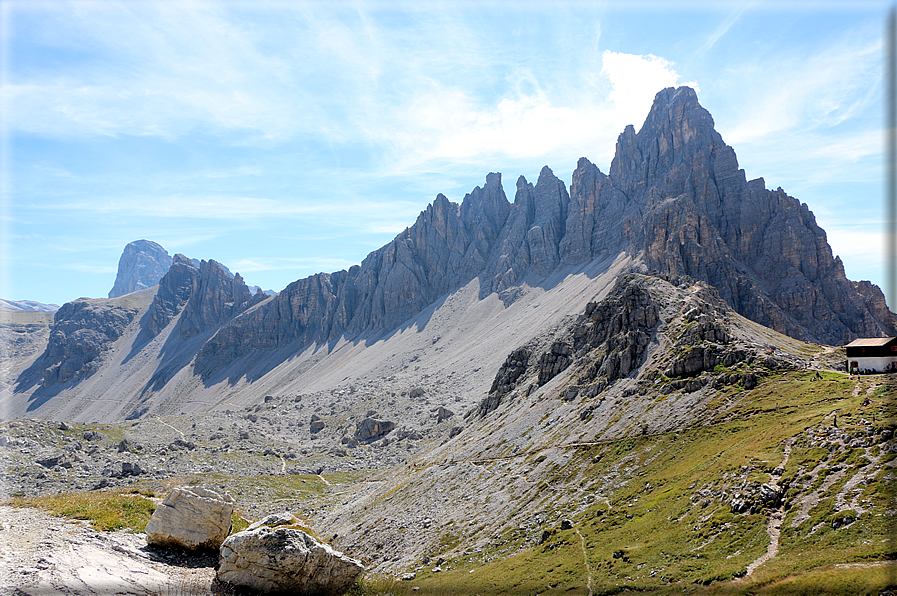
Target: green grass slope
[670,526]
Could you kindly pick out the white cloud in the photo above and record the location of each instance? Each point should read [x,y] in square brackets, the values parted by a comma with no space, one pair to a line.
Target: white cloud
[333,75]
[857,243]
[361,215]
[449,125]
[636,80]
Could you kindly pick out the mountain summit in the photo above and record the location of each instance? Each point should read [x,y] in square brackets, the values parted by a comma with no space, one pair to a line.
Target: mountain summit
[675,201]
[467,283]
[142,265]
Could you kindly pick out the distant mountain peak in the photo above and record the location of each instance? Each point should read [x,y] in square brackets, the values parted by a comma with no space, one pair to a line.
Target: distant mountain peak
[142,265]
[28,305]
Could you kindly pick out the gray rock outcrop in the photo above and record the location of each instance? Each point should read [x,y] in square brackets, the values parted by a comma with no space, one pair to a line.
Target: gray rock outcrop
[611,340]
[674,195]
[316,424]
[82,331]
[191,517]
[371,429]
[142,265]
[208,295]
[285,560]
[614,332]
[443,413]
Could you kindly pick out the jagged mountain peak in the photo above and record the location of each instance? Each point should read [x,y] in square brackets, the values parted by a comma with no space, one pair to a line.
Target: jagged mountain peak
[677,135]
[674,202]
[182,259]
[674,199]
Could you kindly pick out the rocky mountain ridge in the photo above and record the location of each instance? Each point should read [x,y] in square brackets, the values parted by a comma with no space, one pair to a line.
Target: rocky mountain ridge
[674,196]
[83,330]
[28,305]
[674,203]
[143,264]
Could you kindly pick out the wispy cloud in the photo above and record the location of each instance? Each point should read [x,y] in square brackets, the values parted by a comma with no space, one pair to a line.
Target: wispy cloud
[181,207]
[254,264]
[210,207]
[821,89]
[236,172]
[724,27]
[415,90]
[152,69]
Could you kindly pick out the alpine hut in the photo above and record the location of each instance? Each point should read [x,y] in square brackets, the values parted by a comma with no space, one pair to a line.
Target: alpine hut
[872,355]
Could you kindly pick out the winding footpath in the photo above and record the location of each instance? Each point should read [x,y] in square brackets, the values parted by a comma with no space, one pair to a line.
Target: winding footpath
[774,522]
[585,558]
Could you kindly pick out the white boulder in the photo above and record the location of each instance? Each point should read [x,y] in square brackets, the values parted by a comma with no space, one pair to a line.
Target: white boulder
[285,559]
[191,517]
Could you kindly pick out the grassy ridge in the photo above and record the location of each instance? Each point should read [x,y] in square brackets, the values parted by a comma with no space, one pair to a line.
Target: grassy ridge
[672,528]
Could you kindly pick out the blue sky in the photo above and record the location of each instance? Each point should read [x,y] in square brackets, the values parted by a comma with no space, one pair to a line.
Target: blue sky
[287,138]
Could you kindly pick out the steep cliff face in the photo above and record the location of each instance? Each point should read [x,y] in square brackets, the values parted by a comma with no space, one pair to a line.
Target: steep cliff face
[208,295]
[82,332]
[532,233]
[175,289]
[142,265]
[674,197]
[761,249]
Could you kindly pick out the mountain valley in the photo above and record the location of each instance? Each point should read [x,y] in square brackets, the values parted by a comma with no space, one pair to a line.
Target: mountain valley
[634,385]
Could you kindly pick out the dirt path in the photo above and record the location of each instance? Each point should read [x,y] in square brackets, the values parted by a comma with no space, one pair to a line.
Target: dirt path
[41,554]
[816,362]
[774,522]
[160,421]
[585,558]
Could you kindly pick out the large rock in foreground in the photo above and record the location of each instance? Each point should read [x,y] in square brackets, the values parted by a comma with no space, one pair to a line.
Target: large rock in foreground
[191,517]
[285,560]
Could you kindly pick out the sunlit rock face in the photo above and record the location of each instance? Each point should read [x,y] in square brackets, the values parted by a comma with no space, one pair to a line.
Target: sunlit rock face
[674,197]
[142,265]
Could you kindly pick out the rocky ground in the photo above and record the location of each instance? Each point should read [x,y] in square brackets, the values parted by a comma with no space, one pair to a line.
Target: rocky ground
[445,487]
[267,440]
[42,555]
